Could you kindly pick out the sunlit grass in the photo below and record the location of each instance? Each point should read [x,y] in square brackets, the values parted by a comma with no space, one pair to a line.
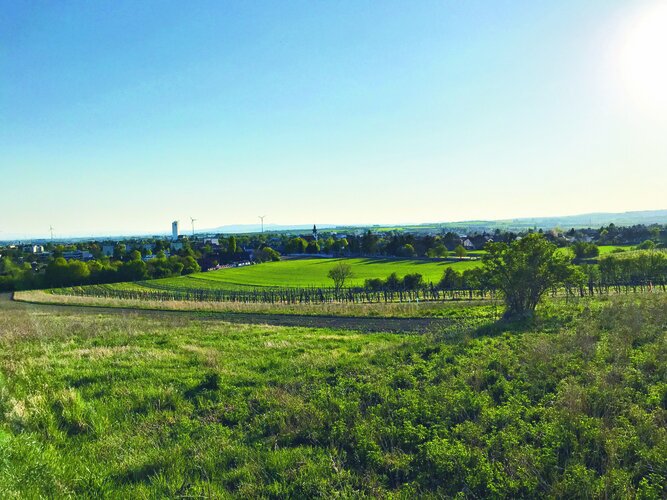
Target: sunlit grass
[140,406]
[313,272]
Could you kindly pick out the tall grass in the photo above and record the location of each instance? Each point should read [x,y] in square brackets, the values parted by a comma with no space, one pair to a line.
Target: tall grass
[381,309]
[570,405]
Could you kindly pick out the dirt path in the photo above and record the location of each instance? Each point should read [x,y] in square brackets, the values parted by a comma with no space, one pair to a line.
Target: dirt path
[365,324]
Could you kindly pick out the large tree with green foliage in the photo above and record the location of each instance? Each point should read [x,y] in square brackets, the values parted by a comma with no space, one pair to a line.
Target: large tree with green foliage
[524,271]
[438,251]
[585,250]
[190,265]
[231,246]
[63,273]
[133,270]
[266,254]
[460,251]
[313,247]
[296,245]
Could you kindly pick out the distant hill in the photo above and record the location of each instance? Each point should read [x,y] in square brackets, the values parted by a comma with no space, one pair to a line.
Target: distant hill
[597,219]
[268,228]
[566,222]
[593,220]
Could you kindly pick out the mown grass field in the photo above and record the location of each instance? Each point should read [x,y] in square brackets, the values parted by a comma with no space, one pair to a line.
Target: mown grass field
[312,272]
[135,405]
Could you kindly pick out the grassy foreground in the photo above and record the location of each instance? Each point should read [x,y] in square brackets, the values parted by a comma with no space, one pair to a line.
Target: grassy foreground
[97,405]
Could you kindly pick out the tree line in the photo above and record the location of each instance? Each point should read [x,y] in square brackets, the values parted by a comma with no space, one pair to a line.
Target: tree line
[60,272]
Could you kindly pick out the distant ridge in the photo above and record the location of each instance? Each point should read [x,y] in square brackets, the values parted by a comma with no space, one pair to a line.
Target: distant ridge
[596,219]
[592,220]
[256,228]
[579,221]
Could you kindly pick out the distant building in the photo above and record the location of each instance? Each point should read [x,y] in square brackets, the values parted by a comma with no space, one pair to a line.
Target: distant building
[107,250]
[78,255]
[174,230]
[176,246]
[33,249]
[468,245]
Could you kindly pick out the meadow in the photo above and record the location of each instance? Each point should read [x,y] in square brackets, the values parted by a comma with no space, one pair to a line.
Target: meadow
[313,272]
[604,249]
[309,273]
[134,405]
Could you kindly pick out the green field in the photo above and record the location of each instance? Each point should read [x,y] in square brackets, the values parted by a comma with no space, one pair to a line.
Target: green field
[118,405]
[313,272]
[606,249]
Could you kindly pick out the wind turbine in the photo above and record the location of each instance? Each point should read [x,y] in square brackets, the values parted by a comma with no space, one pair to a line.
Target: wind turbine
[261,218]
[192,221]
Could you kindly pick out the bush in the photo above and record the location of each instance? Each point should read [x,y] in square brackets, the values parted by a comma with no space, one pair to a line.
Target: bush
[413,281]
[583,250]
[410,282]
[646,245]
[374,284]
[524,270]
[451,280]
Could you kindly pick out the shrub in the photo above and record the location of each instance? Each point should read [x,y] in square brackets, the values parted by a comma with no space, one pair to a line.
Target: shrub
[524,270]
[583,250]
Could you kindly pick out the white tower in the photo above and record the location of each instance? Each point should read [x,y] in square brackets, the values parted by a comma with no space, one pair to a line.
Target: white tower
[174,230]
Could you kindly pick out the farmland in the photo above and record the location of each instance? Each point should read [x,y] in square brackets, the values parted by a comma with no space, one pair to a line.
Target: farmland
[309,272]
[143,405]
[313,272]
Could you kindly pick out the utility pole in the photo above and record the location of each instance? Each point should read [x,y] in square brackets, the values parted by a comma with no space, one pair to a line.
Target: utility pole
[261,218]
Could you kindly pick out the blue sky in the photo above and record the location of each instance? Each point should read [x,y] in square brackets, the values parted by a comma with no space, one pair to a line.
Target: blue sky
[122,116]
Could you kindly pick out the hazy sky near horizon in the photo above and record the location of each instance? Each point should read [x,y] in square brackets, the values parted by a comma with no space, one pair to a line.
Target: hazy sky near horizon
[122,116]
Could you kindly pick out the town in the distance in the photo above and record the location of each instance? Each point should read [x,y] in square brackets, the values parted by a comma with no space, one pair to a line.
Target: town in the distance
[57,262]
